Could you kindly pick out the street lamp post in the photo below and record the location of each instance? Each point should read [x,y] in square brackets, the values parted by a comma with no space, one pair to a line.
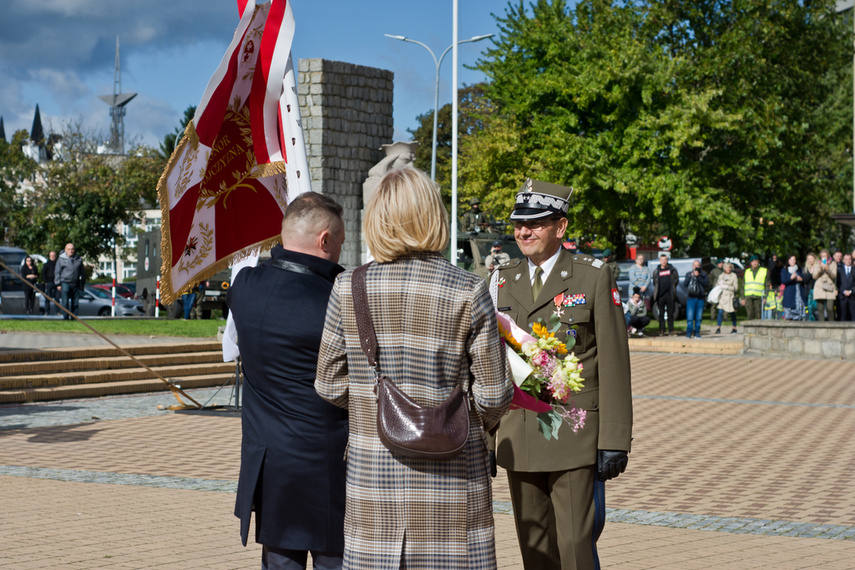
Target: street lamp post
[437,62]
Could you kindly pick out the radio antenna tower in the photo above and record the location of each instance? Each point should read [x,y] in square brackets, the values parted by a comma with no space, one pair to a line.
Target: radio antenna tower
[117,102]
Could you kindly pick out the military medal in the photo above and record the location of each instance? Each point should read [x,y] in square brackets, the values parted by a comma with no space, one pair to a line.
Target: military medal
[558,299]
[501,282]
[564,300]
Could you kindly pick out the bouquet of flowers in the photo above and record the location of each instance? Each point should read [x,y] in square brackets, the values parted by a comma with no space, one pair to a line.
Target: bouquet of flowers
[544,382]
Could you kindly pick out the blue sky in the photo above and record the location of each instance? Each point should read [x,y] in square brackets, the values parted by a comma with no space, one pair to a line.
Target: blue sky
[60,54]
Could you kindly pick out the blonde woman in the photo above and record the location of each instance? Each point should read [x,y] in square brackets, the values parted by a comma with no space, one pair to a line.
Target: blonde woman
[730,285]
[436,329]
[824,273]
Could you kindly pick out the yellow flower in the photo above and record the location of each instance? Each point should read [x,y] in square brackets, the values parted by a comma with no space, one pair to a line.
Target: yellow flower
[540,330]
[512,342]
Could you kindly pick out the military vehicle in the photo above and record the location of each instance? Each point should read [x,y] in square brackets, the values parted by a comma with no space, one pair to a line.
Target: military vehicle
[474,247]
[211,298]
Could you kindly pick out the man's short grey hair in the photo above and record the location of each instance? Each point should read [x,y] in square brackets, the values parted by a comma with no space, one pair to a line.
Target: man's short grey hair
[311,213]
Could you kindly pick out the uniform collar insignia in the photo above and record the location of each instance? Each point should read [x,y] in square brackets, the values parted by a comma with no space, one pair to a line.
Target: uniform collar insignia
[517,278]
[564,274]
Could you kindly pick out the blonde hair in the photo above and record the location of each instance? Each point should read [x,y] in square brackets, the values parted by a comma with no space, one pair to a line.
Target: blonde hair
[405,214]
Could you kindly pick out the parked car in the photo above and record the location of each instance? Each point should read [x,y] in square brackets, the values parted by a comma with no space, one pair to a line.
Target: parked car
[121,290]
[95,302]
[12,298]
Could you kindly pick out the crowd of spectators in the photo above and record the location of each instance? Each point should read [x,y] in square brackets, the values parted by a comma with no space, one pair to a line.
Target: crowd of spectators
[819,289]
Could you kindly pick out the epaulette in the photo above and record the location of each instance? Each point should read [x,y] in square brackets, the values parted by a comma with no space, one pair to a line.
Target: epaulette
[585,259]
[508,264]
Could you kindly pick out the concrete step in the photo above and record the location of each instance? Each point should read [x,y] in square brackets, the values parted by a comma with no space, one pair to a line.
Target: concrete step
[68,353]
[75,378]
[682,345]
[24,395]
[82,363]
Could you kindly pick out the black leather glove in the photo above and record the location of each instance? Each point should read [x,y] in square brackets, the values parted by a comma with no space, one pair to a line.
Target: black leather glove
[610,464]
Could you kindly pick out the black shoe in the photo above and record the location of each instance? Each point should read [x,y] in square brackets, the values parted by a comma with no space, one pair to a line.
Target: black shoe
[733,331]
[718,331]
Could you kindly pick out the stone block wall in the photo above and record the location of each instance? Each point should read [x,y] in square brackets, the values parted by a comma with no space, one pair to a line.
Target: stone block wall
[796,339]
[346,111]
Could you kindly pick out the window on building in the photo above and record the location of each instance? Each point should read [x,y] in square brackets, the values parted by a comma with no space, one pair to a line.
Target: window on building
[105,268]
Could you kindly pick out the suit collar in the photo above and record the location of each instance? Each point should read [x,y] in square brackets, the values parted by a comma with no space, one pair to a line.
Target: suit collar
[323,267]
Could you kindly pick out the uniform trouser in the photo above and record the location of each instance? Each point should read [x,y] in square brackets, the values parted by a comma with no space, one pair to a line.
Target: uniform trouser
[559,517]
[823,305]
[281,559]
[754,307]
[663,302]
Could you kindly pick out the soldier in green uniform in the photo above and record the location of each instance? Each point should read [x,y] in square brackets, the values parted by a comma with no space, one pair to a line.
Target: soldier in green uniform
[610,263]
[557,486]
[476,220]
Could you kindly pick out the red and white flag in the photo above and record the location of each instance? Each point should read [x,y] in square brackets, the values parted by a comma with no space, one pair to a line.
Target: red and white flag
[242,158]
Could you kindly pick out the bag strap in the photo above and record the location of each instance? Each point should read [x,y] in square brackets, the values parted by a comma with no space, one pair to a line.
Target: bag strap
[364,324]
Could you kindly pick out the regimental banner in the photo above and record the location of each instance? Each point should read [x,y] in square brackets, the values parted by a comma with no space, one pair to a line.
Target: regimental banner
[242,158]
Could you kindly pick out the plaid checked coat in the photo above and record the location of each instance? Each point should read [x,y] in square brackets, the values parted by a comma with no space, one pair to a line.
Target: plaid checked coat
[436,328]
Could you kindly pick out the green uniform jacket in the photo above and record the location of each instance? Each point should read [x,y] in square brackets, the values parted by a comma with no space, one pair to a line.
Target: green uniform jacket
[601,346]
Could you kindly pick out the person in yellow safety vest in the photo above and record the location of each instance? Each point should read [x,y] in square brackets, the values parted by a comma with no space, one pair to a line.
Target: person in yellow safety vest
[771,305]
[756,280]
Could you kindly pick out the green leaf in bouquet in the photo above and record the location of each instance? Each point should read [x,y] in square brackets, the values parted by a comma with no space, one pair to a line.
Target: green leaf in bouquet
[531,385]
[548,423]
[554,323]
[570,341]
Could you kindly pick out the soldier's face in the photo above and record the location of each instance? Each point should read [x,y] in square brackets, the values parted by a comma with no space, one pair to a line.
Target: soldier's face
[539,240]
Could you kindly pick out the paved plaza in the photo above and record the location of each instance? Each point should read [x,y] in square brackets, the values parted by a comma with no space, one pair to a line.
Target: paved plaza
[737,463]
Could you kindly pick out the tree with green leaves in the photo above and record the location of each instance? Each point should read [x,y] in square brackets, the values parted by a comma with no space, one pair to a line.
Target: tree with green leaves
[80,197]
[719,123]
[472,108]
[15,169]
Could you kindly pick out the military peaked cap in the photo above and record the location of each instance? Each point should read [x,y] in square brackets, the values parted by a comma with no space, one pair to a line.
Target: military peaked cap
[537,200]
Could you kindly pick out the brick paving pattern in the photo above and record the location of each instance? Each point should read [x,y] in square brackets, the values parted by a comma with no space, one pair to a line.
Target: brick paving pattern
[737,463]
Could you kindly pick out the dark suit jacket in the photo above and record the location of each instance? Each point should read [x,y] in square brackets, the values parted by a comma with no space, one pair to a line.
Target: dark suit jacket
[601,345]
[843,282]
[292,468]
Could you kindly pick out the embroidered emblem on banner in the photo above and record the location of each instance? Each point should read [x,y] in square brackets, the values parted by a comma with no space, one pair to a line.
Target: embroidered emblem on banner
[616,297]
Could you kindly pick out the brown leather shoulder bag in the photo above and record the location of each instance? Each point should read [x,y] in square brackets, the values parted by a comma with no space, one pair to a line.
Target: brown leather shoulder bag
[403,426]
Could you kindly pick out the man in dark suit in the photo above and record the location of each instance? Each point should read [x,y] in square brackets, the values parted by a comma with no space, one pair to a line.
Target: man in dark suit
[846,289]
[49,277]
[292,470]
[557,486]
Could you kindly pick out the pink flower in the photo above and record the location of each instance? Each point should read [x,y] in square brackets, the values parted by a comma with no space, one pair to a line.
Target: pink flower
[541,359]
